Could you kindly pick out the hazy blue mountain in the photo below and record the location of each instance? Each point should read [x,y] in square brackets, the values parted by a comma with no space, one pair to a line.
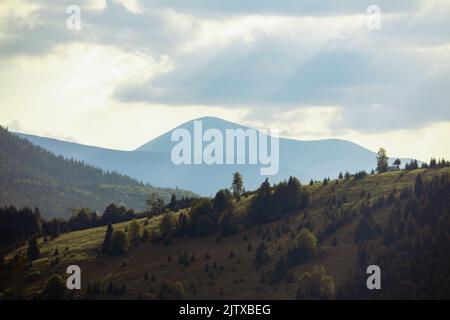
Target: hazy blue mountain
[151,162]
[164,144]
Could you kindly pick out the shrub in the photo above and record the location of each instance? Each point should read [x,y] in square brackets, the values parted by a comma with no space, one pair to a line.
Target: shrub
[315,285]
[305,248]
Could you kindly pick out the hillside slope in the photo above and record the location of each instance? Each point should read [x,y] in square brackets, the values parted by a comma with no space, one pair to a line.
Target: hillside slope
[31,176]
[225,269]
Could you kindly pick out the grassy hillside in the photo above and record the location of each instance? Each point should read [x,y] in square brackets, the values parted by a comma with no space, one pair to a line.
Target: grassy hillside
[229,276]
[31,176]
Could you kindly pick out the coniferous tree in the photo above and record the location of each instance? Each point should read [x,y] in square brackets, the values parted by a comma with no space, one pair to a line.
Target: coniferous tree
[419,187]
[433,164]
[33,251]
[166,225]
[119,243]
[173,202]
[204,220]
[106,245]
[237,186]
[222,201]
[54,288]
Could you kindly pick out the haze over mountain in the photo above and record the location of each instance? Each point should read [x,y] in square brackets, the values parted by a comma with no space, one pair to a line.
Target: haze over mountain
[151,162]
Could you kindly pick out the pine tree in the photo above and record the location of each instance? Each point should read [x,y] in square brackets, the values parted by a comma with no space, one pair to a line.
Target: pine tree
[54,288]
[33,251]
[173,202]
[419,187]
[237,185]
[119,243]
[106,245]
[433,164]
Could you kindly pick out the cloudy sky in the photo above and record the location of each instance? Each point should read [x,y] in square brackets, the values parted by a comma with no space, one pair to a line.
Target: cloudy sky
[311,69]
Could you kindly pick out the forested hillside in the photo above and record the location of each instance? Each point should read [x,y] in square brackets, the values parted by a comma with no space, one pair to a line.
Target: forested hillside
[31,176]
[283,241]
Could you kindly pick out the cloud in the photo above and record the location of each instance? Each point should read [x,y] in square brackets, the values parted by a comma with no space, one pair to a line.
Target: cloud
[387,76]
[273,59]
[15,125]
[118,23]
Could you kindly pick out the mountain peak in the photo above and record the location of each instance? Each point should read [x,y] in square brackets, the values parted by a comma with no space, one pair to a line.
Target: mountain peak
[213,122]
[162,143]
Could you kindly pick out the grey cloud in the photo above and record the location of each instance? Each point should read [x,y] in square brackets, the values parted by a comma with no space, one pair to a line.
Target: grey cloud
[45,28]
[374,77]
[379,82]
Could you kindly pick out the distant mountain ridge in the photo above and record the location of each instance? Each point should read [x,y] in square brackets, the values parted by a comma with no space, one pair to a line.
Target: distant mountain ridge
[151,162]
[34,177]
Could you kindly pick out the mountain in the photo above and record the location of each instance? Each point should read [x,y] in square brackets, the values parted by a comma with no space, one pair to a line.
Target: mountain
[32,176]
[151,162]
[164,144]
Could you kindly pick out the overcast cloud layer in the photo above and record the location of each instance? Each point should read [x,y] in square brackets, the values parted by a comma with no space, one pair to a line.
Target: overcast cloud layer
[272,59]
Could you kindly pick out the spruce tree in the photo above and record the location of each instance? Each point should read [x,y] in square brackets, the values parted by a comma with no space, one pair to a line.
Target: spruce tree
[107,241]
[238,185]
[33,251]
